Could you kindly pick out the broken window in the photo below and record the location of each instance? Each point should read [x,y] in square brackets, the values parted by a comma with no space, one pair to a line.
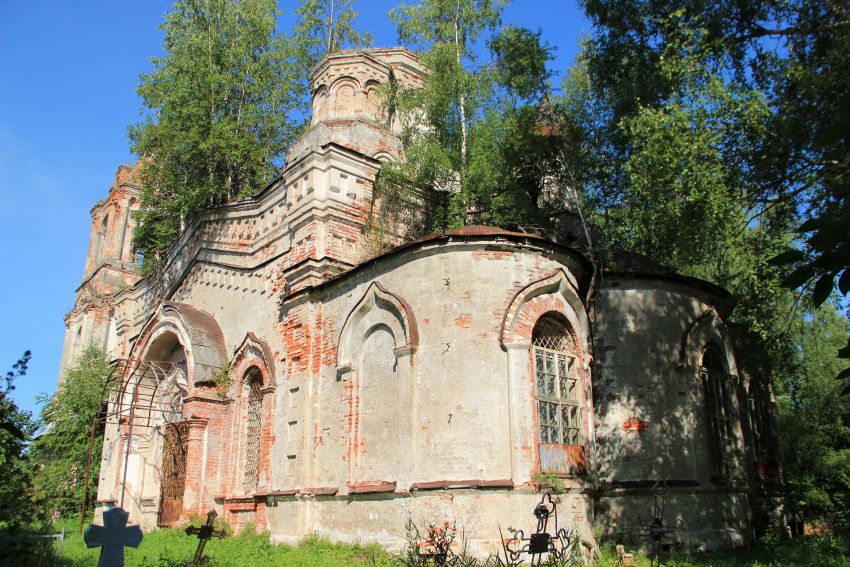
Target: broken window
[254,420]
[718,411]
[558,397]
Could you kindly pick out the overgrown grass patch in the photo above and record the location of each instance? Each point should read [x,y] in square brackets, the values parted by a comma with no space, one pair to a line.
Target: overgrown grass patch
[824,551]
[173,548]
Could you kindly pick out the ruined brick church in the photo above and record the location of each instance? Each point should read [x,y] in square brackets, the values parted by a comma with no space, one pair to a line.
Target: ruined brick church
[285,373]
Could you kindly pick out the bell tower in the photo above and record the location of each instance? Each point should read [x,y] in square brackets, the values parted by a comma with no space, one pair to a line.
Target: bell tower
[111,265]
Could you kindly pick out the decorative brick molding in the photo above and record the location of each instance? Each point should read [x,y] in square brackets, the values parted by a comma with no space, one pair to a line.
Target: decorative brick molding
[648,484]
[395,312]
[556,292]
[371,487]
[319,491]
[273,493]
[458,484]
[254,352]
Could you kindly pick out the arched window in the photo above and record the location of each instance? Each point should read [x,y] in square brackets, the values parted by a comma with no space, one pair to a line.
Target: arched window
[253,385]
[557,389]
[718,411]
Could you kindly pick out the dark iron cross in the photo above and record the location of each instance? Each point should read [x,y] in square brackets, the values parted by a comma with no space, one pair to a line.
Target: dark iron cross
[663,537]
[204,534]
[544,548]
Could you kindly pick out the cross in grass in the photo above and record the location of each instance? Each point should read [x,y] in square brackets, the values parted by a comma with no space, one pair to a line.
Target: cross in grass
[204,534]
[112,537]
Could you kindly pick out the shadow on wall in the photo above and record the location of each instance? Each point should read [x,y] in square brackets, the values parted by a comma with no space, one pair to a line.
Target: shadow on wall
[658,418]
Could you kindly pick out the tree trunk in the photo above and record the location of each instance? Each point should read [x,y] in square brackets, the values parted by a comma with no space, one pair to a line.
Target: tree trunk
[462,97]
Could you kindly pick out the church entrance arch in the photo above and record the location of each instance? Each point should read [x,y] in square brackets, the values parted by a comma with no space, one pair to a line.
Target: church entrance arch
[168,444]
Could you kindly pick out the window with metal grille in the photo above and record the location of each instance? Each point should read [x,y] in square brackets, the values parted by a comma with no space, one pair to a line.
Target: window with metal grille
[765,449]
[718,411]
[254,421]
[557,393]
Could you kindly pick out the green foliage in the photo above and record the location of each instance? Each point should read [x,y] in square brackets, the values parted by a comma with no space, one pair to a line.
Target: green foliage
[786,141]
[223,379]
[167,547]
[323,27]
[224,104]
[60,454]
[218,120]
[469,115]
[803,552]
[548,482]
[722,154]
[669,181]
[17,512]
[16,430]
[814,426]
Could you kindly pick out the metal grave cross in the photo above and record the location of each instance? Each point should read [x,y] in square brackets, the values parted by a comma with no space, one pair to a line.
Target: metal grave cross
[112,537]
[663,537]
[559,548]
[204,534]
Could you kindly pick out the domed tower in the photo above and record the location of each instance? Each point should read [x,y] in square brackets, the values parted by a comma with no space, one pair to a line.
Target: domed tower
[111,265]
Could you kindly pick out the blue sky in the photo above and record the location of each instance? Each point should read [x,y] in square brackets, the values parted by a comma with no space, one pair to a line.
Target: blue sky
[69,75]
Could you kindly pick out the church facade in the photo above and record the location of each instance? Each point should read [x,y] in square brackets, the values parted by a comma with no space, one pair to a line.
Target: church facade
[287,373]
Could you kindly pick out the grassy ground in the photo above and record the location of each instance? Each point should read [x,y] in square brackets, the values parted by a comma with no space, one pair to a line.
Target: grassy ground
[802,552]
[172,548]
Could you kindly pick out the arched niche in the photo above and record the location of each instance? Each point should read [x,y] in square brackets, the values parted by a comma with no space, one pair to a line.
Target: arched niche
[101,246]
[321,100]
[383,156]
[197,331]
[707,329]
[344,91]
[375,373]
[127,252]
[377,307]
[372,101]
[252,371]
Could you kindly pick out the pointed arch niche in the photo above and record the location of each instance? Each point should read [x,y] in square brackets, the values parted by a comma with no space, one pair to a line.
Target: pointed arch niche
[375,375]
[253,386]
[553,298]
